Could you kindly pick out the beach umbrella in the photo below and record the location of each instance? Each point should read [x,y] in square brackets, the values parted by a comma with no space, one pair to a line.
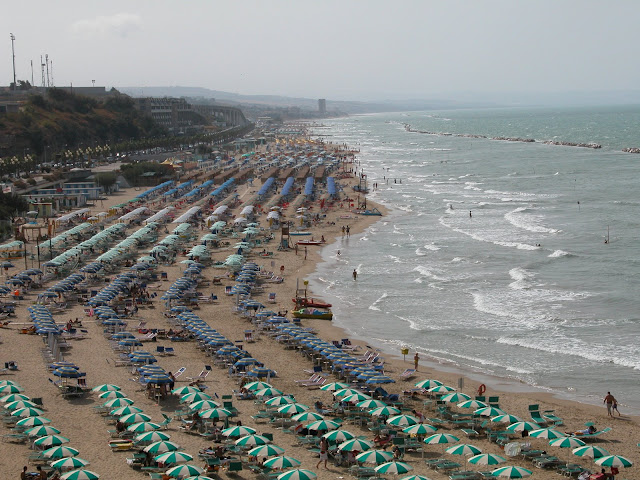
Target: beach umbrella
[143,427]
[185,390]
[355,444]
[13,397]
[415,477]
[117,402]
[126,410]
[386,411]
[356,397]
[323,425]
[506,418]
[338,436]
[455,397]
[441,438]
[590,451]
[345,392]
[393,467]
[293,408]
[80,475]
[9,388]
[486,459]
[463,449]
[51,441]
[307,416]
[194,397]
[135,418]
[402,420]
[198,477]
[280,400]
[566,442]
[511,472]
[489,412]
[614,461]
[258,385]
[334,386]
[33,421]
[281,462]
[268,392]
[112,394]
[238,431]
[105,387]
[70,462]
[548,433]
[203,405]
[297,474]
[265,451]
[60,452]
[43,430]
[184,471]
[152,437]
[215,413]
[252,440]
[420,429]
[18,404]
[442,389]
[523,426]
[374,456]
[161,446]
[475,404]
[371,403]
[173,457]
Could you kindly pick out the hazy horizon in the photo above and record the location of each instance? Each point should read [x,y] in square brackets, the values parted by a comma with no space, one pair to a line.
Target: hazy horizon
[496,51]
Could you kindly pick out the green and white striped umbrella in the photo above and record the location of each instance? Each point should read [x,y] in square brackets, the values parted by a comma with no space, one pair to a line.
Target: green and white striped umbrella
[162,446]
[282,462]
[338,436]
[215,413]
[27,412]
[489,412]
[135,418]
[126,410]
[170,458]
[614,461]
[511,472]
[11,389]
[548,433]
[199,477]
[252,440]
[152,436]
[334,386]
[371,403]
[60,452]
[117,402]
[185,390]
[238,431]
[257,385]
[442,389]
[345,392]
[428,383]
[194,397]
[506,418]
[566,442]
[184,471]
[280,400]
[486,459]
[323,425]
[33,421]
[475,404]
[374,456]
[523,426]
[143,427]
[51,441]
[455,397]
[11,406]
[70,462]
[358,444]
[12,397]
[297,474]
[203,405]
[590,451]
[80,475]
[441,438]
[420,429]
[293,408]
[268,392]
[414,477]
[105,387]
[112,394]
[356,397]
[43,430]
[393,467]
[464,449]
[384,411]
[403,420]
[265,451]
[307,416]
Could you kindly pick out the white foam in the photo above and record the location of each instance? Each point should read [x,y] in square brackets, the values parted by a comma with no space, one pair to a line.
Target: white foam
[373,306]
[558,254]
[518,218]
[520,277]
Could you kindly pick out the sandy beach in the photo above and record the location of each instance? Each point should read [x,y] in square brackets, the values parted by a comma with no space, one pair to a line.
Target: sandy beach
[88,431]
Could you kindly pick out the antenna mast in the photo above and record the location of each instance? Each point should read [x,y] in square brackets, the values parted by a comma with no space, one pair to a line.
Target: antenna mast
[13,55]
[42,72]
[46,61]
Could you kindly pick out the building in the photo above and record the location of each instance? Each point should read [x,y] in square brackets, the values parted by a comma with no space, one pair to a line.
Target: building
[322,106]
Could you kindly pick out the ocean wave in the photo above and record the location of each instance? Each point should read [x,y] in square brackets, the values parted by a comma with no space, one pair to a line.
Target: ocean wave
[373,306]
[520,278]
[519,246]
[426,272]
[518,218]
[560,253]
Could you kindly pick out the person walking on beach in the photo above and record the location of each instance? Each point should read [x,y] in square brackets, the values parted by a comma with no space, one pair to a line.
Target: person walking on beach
[324,453]
[609,400]
[416,359]
[343,230]
[355,274]
[348,231]
[305,253]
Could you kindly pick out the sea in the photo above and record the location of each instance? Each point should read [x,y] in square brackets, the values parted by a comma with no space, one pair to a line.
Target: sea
[492,260]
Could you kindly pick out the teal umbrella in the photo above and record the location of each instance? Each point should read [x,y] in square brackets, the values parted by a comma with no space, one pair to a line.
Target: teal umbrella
[455,397]
[265,451]
[523,426]
[12,397]
[297,474]
[590,451]
[51,441]
[60,452]
[338,436]
[442,389]
[371,403]
[134,418]
[358,444]
[281,462]
[43,430]
[184,471]
[106,387]
[511,472]
[403,420]
[10,389]
[185,390]
[27,412]
[268,392]
[441,438]
[293,408]
[18,404]
[112,394]
[151,437]
[374,456]
[614,461]
[567,442]
[334,386]
[280,400]
[393,467]
[173,457]
[475,404]
[548,433]
[143,427]
[346,392]
[323,425]
[252,441]
[463,449]
[126,410]
[428,383]
[414,477]
[307,416]
[69,462]
[117,402]
[80,475]
[384,411]
[257,385]
[506,418]
[33,421]
[489,412]
[194,397]
[215,413]
[420,429]
[486,459]
[356,397]
[238,431]
[162,446]
[203,405]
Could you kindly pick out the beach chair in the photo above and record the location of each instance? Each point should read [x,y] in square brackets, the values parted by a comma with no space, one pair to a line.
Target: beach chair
[179,372]
[551,416]
[536,416]
[494,402]
[272,297]
[407,374]
[586,436]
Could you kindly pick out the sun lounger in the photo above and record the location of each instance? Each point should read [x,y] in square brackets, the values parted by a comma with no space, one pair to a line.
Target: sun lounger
[407,374]
[586,436]
[551,417]
[536,416]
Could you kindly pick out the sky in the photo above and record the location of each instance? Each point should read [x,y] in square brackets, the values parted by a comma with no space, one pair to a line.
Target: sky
[340,50]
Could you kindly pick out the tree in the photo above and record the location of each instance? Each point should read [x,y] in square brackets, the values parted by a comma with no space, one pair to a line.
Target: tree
[11,205]
[106,180]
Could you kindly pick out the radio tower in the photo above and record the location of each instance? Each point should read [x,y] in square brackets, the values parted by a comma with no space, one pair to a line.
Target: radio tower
[46,61]
[42,71]
[13,55]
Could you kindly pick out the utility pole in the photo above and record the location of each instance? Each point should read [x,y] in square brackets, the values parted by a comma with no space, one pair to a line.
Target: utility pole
[13,54]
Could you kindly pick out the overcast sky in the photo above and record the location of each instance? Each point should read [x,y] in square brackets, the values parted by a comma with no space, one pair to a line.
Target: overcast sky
[340,50]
